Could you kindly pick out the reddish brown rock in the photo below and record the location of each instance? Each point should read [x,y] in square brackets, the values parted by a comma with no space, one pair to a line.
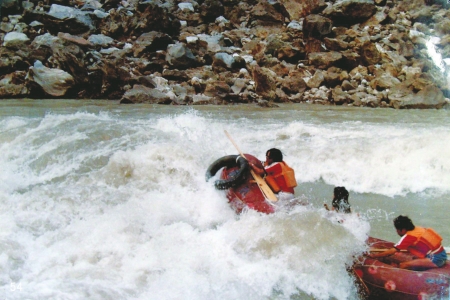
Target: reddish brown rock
[265,82]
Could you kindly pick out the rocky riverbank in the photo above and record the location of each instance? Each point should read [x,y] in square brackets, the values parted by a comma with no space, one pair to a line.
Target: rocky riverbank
[379,53]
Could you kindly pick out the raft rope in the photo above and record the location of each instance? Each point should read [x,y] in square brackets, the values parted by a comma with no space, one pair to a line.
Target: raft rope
[361,282]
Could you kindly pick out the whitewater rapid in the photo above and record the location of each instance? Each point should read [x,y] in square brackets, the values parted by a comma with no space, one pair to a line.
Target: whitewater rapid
[102,201]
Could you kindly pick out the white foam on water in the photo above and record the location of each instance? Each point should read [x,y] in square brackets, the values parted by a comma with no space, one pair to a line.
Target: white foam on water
[116,206]
[389,160]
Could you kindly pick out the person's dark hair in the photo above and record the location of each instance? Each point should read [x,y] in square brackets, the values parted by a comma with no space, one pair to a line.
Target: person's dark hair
[341,192]
[403,222]
[275,154]
[340,201]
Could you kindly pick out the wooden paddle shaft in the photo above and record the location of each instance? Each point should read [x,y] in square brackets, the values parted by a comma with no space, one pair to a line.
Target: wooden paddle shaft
[235,145]
[382,250]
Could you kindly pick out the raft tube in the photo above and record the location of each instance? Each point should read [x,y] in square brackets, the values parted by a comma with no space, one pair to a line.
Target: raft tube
[380,278]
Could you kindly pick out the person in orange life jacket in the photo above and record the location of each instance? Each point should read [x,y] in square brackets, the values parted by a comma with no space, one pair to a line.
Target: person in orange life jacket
[340,200]
[279,176]
[424,243]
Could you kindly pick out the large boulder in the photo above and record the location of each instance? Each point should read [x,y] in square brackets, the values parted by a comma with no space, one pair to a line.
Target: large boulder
[54,82]
[77,40]
[222,61]
[142,94]
[316,26]
[298,9]
[63,19]
[294,83]
[401,96]
[335,44]
[340,97]
[264,13]
[100,40]
[150,42]
[324,60]
[41,47]
[350,12]
[13,85]
[383,82]
[10,62]
[16,40]
[217,89]
[69,52]
[350,59]
[265,82]
[316,80]
[370,54]
[80,20]
[179,56]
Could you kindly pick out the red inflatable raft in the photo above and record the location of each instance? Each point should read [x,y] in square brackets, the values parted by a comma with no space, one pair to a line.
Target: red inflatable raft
[380,278]
[242,190]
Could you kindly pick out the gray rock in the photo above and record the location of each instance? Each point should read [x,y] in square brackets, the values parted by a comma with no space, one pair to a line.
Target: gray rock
[54,82]
[143,94]
[15,40]
[80,18]
[100,40]
[179,56]
[429,97]
[239,85]
[350,11]
[224,59]
[316,80]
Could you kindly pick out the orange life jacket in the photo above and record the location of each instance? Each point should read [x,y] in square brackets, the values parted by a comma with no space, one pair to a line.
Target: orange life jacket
[425,236]
[281,177]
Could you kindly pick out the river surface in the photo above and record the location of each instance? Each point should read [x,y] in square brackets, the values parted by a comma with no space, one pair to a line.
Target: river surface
[107,201]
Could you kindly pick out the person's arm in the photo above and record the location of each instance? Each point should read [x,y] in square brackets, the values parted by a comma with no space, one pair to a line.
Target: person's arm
[384,253]
[327,208]
[260,171]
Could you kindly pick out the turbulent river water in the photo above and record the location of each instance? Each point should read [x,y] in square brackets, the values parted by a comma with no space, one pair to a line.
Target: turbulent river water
[107,201]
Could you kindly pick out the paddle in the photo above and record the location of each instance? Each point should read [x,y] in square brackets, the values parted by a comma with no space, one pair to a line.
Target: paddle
[382,250]
[265,189]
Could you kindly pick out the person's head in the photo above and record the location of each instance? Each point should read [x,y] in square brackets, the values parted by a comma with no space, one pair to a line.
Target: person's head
[340,192]
[403,224]
[340,200]
[274,155]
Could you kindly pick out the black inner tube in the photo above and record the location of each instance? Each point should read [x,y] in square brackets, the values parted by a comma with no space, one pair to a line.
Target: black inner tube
[234,178]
